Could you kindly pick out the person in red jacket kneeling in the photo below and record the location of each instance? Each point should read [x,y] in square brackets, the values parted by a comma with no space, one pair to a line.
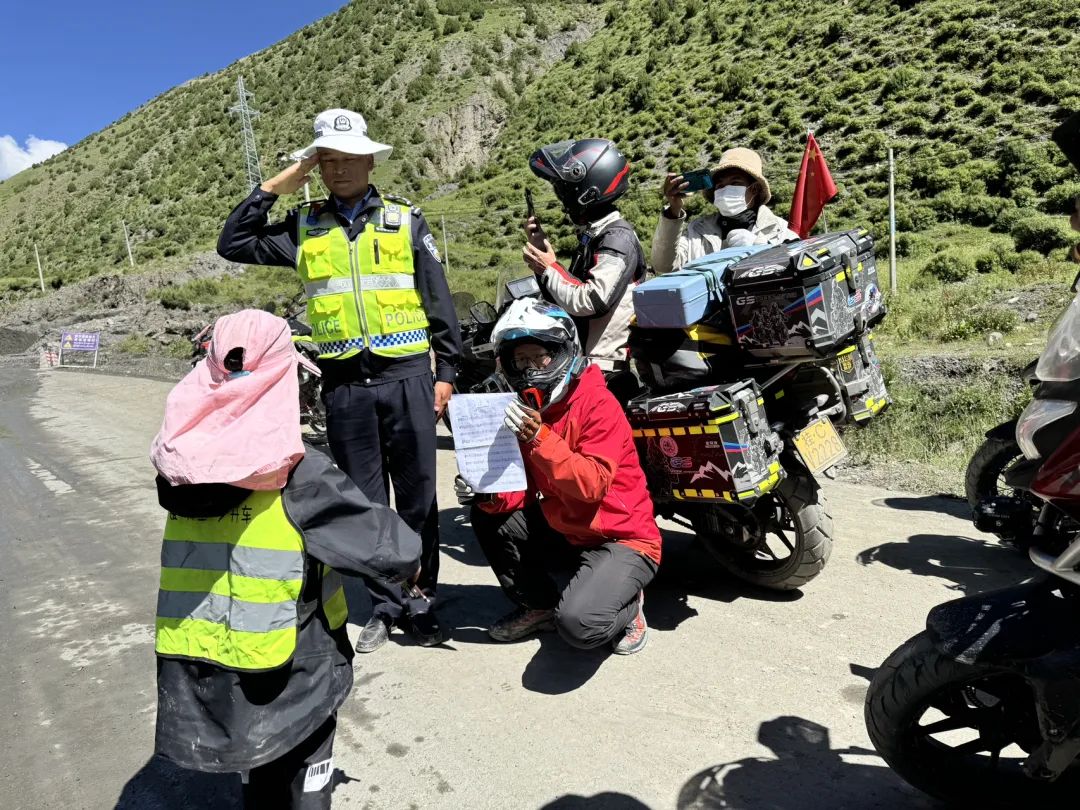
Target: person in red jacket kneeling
[586,508]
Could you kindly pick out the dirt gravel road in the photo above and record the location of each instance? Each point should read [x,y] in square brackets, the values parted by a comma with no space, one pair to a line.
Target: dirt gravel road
[743,699]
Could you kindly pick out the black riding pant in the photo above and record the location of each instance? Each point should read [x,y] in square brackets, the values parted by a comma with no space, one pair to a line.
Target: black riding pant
[302,779]
[600,599]
[381,435]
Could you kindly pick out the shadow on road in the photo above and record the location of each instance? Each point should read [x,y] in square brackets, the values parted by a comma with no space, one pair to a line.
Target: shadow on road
[942,504]
[558,668]
[161,785]
[456,537]
[601,801]
[973,565]
[807,774]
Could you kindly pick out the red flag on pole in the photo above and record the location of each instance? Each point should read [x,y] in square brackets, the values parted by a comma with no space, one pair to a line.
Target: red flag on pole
[813,189]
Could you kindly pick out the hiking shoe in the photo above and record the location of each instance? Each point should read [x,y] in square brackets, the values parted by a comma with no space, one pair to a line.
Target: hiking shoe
[425,629]
[522,622]
[374,635]
[637,631]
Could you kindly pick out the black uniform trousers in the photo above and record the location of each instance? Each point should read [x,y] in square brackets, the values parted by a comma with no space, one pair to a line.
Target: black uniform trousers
[384,434]
[302,779]
[601,598]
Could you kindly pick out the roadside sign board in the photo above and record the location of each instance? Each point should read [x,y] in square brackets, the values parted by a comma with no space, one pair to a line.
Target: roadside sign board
[80,342]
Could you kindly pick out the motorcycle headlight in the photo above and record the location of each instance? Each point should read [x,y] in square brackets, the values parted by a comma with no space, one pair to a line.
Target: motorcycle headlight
[1037,415]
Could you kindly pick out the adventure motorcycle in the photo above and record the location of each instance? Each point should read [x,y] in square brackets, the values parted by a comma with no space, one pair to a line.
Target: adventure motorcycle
[777,533]
[983,707]
[1002,510]
[312,410]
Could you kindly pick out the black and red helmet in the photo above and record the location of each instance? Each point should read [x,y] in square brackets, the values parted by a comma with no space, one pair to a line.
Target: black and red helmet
[588,175]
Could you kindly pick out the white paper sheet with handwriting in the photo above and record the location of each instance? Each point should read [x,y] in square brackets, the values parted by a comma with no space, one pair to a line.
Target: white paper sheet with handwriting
[488,454]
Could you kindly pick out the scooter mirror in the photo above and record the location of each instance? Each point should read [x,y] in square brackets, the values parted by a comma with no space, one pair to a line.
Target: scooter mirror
[1076,283]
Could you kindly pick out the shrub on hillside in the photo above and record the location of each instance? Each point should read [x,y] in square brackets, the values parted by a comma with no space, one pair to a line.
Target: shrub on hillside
[949,266]
[1009,216]
[981,322]
[1002,259]
[1041,233]
[974,209]
[1061,199]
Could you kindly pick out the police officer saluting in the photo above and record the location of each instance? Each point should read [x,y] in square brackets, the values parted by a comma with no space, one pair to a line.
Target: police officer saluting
[378,303]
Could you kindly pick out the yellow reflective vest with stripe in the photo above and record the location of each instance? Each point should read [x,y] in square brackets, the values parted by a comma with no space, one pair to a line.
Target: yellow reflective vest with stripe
[231,586]
[361,294]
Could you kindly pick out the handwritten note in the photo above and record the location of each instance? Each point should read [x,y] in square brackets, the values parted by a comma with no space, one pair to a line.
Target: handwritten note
[488,454]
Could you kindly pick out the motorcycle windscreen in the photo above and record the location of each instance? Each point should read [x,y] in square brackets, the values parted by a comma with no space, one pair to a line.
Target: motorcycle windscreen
[1060,360]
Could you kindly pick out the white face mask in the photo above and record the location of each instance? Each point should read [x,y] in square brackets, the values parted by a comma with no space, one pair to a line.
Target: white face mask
[730,200]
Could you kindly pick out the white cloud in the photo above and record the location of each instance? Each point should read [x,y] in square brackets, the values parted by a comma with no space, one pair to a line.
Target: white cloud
[14,158]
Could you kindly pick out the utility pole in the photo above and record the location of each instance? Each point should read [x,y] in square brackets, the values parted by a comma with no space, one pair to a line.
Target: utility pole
[127,241]
[445,248]
[892,225]
[247,114]
[40,275]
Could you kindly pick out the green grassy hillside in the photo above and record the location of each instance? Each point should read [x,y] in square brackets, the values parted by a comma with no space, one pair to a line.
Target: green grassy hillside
[965,91]
[425,75]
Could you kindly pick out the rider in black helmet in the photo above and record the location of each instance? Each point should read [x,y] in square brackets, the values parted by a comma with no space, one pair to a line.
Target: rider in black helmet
[588,176]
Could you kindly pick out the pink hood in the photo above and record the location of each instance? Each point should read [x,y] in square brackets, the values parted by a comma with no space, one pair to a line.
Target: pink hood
[235,427]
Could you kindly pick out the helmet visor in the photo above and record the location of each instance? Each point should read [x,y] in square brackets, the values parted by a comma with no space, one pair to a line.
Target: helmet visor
[558,159]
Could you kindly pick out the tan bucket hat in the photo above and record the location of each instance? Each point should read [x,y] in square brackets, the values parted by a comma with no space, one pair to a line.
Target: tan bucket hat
[746,160]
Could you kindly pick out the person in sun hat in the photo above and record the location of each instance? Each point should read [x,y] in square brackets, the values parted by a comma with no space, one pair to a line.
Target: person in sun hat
[378,304]
[253,660]
[739,193]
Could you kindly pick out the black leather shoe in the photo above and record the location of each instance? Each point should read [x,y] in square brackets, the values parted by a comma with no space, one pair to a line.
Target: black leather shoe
[426,630]
[374,635]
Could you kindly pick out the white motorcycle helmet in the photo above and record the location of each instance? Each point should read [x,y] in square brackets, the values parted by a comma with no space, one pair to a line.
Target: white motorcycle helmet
[529,320]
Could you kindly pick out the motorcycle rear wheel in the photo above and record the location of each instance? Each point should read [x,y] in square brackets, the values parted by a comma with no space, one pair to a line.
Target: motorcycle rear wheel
[794,516]
[942,757]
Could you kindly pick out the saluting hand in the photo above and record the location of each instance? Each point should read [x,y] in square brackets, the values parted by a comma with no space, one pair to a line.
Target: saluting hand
[291,179]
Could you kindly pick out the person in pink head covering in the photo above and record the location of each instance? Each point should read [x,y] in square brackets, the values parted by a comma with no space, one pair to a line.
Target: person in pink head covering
[253,656]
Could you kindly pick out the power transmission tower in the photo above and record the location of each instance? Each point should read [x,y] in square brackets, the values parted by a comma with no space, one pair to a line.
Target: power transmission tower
[251,153]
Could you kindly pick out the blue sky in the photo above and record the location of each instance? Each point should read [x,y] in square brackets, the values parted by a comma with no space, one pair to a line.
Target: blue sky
[72,68]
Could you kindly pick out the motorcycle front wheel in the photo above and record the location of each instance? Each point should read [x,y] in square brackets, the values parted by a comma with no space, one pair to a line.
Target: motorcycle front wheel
[985,475]
[959,732]
[788,538]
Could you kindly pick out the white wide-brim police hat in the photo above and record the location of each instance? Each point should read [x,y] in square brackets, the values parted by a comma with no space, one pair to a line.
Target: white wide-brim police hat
[345,131]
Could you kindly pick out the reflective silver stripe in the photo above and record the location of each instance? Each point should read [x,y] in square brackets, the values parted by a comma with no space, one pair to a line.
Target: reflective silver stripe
[249,617]
[261,563]
[331,286]
[388,281]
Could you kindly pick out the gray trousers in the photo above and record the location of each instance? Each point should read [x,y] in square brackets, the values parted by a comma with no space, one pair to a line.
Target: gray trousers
[600,599]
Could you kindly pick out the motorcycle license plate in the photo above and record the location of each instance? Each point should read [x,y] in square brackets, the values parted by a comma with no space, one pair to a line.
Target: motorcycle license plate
[820,445]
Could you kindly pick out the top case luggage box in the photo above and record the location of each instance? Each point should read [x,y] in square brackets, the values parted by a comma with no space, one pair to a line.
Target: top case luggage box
[805,299]
[682,298]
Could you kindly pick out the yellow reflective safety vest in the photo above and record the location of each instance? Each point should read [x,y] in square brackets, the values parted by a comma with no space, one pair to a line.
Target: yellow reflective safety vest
[361,294]
[230,587]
